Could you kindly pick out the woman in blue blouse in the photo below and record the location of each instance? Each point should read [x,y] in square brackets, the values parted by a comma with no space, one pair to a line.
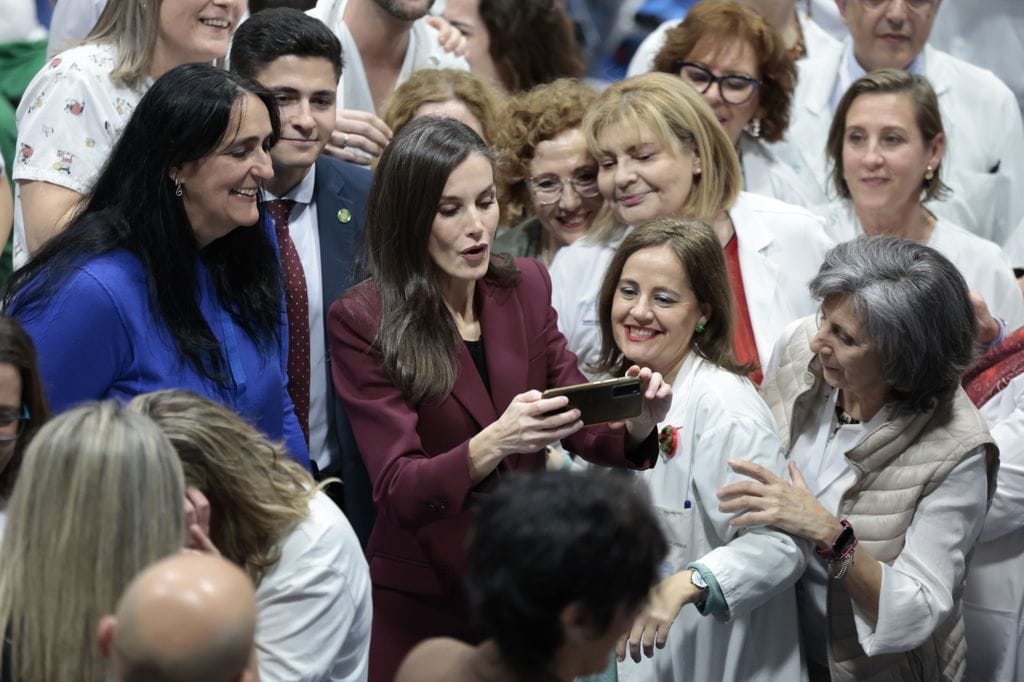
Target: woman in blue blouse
[166,279]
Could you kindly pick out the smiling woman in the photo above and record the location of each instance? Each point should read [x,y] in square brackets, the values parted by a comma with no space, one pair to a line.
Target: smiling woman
[164,281]
[546,171]
[75,108]
[661,153]
[666,303]
[886,155]
[440,357]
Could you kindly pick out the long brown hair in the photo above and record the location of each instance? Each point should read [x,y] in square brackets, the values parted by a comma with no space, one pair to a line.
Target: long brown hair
[417,337]
[700,253]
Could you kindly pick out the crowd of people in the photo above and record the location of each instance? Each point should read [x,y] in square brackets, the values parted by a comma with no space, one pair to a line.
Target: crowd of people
[290,288]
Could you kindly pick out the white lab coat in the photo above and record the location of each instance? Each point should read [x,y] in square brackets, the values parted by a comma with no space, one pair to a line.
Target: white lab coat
[719,414]
[764,173]
[984,266]
[994,595]
[984,159]
[781,247]
[1014,248]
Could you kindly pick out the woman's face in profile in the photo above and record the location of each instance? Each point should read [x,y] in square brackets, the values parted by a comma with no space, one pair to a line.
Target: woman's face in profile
[464,225]
[849,359]
[220,190]
[10,410]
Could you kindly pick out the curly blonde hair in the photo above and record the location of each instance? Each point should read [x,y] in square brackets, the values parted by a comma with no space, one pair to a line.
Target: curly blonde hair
[433,86]
[257,493]
[527,119]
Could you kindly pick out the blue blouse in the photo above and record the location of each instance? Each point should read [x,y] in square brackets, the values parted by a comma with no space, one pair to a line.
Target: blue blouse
[101,337]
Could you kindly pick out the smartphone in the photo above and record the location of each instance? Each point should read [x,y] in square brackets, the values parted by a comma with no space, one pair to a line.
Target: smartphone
[603,401]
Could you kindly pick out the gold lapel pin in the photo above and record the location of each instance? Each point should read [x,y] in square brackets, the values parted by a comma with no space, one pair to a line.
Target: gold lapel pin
[344,215]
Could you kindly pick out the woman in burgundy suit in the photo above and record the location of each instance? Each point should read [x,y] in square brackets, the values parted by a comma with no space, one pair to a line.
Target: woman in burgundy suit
[440,357]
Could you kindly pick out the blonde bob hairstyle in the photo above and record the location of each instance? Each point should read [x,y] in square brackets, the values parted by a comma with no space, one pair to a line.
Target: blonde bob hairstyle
[100,496]
[257,493]
[434,86]
[670,109]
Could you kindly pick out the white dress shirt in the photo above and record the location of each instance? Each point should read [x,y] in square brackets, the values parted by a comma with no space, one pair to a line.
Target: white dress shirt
[718,415]
[314,605]
[304,230]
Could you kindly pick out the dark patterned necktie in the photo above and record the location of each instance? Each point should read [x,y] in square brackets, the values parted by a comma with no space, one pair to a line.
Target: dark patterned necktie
[297,304]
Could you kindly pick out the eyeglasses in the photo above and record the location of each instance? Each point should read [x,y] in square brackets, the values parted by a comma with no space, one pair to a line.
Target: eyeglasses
[12,423]
[734,89]
[547,189]
[919,6]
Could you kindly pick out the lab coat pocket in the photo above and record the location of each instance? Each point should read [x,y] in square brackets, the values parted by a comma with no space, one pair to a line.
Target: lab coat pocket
[980,203]
[676,524]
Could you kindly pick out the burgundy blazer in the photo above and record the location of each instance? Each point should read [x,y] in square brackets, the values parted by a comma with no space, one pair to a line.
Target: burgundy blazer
[416,456]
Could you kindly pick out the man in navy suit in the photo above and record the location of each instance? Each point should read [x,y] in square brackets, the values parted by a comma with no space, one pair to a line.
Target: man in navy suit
[315,205]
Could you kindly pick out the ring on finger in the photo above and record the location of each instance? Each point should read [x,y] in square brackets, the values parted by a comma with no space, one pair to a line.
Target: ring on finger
[344,141]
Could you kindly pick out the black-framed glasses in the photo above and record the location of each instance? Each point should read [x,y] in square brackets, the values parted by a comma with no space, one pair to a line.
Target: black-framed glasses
[548,188]
[12,423]
[734,89]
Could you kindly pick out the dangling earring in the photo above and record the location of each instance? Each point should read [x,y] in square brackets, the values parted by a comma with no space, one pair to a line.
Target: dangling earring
[928,174]
[753,128]
[700,326]
[696,167]
[177,187]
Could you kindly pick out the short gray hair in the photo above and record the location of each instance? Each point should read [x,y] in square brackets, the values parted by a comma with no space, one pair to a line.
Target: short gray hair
[914,307]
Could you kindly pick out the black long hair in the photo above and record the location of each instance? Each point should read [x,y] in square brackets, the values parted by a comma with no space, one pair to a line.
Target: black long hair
[184,117]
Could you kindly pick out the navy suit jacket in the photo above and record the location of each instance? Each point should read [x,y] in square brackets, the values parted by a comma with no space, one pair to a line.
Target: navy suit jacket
[340,199]
[342,186]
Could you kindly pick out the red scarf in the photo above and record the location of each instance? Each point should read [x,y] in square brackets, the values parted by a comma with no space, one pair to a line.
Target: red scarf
[999,365]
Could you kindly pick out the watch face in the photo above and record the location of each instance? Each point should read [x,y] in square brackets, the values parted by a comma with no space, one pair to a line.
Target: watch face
[843,541]
[698,580]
